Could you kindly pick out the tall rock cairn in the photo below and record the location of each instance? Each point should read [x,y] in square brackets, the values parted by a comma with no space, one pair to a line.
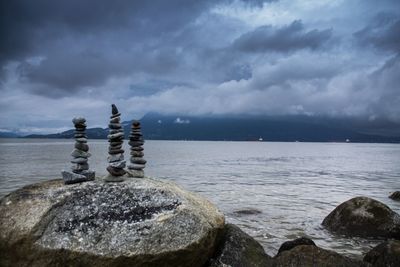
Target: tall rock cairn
[116,153]
[137,162]
[80,169]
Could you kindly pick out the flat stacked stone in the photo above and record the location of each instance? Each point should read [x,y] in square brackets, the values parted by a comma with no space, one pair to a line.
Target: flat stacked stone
[137,162]
[116,153]
[80,168]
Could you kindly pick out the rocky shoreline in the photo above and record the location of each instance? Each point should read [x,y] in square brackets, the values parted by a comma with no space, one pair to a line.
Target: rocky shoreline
[148,222]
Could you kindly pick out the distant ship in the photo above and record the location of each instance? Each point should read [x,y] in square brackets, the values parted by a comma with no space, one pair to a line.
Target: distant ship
[260,139]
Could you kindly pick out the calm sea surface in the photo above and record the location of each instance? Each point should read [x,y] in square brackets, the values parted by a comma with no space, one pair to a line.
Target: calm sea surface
[290,187]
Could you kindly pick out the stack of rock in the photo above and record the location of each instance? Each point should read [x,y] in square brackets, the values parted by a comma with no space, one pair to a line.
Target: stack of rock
[80,169]
[135,168]
[116,153]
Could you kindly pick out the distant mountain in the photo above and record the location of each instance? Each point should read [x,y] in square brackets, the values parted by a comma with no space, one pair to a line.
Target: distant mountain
[283,128]
[8,135]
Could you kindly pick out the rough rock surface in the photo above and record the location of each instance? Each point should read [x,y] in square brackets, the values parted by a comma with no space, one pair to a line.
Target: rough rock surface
[239,249]
[385,254]
[306,255]
[139,222]
[364,217]
[288,245]
[395,195]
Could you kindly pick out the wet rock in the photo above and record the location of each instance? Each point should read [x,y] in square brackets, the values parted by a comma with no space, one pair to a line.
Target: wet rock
[138,222]
[395,195]
[237,248]
[72,178]
[385,254]
[364,217]
[288,245]
[306,255]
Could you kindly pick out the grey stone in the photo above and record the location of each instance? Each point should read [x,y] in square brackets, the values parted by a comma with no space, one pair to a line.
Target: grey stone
[115,126]
[237,248]
[118,164]
[136,166]
[114,131]
[136,143]
[138,160]
[78,168]
[76,153]
[138,148]
[113,179]
[81,140]
[79,160]
[116,171]
[364,217]
[115,136]
[78,120]
[82,146]
[115,157]
[115,120]
[115,151]
[136,153]
[72,178]
[90,175]
[138,222]
[385,254]
[135,173]
[114,109]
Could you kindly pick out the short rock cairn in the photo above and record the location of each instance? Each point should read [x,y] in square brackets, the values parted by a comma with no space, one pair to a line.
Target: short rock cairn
[80,169]
[137,162]
[116,153]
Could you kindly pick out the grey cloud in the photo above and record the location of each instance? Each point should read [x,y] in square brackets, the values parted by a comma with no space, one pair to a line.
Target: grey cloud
[382,33]
[287,38]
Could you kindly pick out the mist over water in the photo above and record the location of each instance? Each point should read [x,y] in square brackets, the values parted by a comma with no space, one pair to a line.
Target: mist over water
[285,189]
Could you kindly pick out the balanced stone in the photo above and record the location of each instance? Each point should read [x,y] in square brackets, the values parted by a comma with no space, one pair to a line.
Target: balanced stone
[136,142]
[80,169]
[82,146]
[116,163]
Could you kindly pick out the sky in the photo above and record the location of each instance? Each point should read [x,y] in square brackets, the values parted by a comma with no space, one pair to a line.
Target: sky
[60,59]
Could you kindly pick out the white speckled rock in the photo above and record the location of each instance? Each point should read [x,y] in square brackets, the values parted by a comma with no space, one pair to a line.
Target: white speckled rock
[139,222]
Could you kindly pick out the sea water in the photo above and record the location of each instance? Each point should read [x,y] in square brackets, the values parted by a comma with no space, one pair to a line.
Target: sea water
[274,191]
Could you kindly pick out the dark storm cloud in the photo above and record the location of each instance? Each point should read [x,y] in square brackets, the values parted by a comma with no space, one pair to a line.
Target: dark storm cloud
[382,33]
[287,38]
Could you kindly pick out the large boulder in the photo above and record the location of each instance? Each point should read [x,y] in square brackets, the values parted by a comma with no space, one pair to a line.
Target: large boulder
[364,217]
[239,249]
[386,254]
[139,222]
[310,255]
[288,245]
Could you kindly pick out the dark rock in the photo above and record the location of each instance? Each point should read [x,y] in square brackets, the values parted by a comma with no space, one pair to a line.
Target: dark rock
[115,120]
[136,166]
[114,126]
[138,160]
[81,140]
[136,143]
[78,168]
[73,178]
[138,148]
[136,153]
[77,153]
[246,212]
[115,151]
[115,157]
[385,254]
[114,131]
[140,222]
[115,171]
[82,146]
[80,136]
[236,248]
[115,136]
[288,245]
[306,255]
[364,217]
[118,164]
[78,120]
[395,195]
[115,116]
[79,160]
[114,109]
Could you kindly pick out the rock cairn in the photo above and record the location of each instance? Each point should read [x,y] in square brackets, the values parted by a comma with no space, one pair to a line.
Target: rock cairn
[80,169]
[116,153]
[137,162]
